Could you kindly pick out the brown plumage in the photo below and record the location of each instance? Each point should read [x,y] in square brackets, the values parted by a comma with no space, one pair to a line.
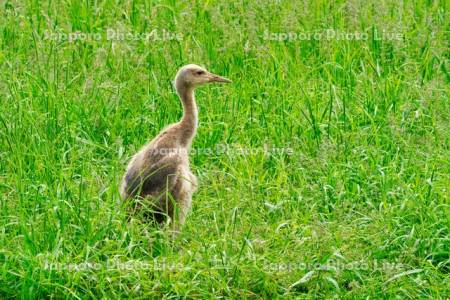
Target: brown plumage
[159,173]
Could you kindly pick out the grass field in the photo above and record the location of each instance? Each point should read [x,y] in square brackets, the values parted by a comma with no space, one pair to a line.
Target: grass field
[324,168]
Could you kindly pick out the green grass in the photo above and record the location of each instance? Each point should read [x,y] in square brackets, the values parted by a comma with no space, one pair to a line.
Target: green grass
[367,121]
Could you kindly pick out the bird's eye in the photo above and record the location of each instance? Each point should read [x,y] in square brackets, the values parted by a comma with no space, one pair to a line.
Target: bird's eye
[200,72]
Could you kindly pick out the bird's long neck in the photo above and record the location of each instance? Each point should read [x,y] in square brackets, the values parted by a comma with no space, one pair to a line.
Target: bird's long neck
[189,121]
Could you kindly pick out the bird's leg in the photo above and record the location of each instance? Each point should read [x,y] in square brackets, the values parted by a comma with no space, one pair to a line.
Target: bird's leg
[180,214]
[184,190]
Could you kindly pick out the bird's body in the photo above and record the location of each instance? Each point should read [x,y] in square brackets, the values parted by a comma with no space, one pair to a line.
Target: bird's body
[159,173]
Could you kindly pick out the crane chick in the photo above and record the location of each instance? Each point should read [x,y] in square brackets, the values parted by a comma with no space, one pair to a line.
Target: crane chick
[159,174]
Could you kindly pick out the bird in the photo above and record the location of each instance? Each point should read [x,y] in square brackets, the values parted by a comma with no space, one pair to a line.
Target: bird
[159,174]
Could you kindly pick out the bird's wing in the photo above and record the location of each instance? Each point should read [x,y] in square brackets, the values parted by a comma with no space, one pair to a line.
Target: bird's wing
[155,179]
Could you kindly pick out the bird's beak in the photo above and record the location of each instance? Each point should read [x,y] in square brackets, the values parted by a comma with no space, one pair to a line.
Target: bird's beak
[217,78]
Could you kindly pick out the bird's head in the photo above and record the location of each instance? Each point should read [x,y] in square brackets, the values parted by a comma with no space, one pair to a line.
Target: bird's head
[194,76]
